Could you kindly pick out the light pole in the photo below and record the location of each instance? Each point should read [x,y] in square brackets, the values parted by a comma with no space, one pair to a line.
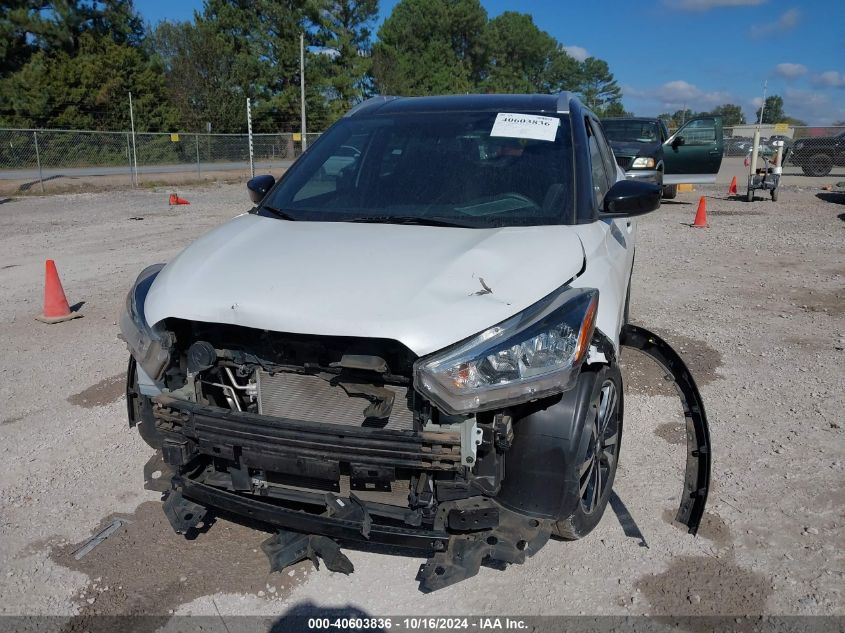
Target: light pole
[302,88]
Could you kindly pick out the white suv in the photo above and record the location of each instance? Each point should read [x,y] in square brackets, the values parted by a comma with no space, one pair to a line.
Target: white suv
[417,348]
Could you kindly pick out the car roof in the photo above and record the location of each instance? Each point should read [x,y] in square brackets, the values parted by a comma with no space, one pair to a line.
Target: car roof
[630,118]
[556,103]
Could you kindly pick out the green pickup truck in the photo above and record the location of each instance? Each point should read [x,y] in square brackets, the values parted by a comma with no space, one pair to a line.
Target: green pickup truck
[645,150]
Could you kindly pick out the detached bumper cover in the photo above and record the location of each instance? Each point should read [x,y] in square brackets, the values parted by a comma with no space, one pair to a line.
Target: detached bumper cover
[697,475]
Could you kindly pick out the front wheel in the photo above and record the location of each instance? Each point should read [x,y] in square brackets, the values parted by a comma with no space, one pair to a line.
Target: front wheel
[597,457]
[670,192]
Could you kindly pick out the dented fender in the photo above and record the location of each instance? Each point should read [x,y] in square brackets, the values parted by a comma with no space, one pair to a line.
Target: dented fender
[697,474]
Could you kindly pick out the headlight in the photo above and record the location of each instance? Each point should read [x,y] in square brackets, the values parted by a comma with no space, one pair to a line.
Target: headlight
[149,347]
[531,355]
[643,163]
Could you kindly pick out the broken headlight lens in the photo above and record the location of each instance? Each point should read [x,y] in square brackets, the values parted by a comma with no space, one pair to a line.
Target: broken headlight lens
[534,354]
[150,348]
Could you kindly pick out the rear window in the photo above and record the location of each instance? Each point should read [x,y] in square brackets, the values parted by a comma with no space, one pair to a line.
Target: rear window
[631,131]
[444,166]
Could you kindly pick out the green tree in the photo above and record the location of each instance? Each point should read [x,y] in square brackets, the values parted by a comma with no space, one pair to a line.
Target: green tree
[430,47]
[201,77]
[772,110]
[598,88]
[616,109]
[731,114]
[678,118]
[344,32]
[261,37]
[519,55]
[17,23]
[88,90]
[70,64]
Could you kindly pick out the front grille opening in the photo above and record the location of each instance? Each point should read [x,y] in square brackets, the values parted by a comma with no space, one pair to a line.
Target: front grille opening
[315,399]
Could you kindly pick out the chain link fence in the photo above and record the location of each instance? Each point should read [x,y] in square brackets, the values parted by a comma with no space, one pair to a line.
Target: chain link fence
[37,160]
[30,158]
[815,151]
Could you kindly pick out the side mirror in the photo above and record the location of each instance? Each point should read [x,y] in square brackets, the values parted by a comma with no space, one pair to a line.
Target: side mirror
[678,141]
[631,197]
[259,186]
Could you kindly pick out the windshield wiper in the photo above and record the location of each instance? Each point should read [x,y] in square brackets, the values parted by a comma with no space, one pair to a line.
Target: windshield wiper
[278,213]
[408,219]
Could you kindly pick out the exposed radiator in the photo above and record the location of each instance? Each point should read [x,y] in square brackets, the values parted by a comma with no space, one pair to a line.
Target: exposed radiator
[313,399]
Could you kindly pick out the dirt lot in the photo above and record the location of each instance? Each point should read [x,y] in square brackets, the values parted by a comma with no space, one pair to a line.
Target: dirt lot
[755,303]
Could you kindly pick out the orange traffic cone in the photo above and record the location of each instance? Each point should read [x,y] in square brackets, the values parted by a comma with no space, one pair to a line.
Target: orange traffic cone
[701,215]
[732,188]
[174,200]
[56,308]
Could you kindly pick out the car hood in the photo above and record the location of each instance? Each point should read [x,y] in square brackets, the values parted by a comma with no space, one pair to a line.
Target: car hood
[419,285]
[630,148]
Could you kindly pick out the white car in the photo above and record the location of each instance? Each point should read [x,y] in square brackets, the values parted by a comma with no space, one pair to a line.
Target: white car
[420,349]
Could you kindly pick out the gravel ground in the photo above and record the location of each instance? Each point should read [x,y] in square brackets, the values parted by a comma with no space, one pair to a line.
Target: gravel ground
[755,303]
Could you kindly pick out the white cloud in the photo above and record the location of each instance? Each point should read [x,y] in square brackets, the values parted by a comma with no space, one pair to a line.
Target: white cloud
[674,95]
[757,102]
[578,52]
[790,71]
[816,108]
[788,19]
[830,79]
[706,5]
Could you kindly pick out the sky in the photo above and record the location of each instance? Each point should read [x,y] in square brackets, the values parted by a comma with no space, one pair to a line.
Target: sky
[667,54]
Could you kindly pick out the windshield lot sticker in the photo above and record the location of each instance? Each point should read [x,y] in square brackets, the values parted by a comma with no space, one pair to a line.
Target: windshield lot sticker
[541,128]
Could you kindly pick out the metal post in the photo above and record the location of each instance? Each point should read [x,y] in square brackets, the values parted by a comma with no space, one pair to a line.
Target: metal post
[129,158]
[197,139]
[756,137]
[249,134]
[134,151]
[302,88]
[38,160]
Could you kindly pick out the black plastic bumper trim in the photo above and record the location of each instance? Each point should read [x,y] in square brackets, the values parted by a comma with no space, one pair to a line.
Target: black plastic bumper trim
[697,475]
[333,527]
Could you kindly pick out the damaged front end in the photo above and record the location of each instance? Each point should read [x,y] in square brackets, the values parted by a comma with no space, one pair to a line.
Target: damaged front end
[332,440]
[326,436]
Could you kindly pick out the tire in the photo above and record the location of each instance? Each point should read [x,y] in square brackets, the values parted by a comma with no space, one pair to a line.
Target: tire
[595,468]
[817,165]
[670,192]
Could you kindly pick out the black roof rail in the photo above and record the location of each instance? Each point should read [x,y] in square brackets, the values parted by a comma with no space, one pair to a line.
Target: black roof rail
[563,99]
[369,103]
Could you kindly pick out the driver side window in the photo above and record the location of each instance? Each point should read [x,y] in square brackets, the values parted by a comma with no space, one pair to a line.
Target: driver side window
[598,167]
[699,132]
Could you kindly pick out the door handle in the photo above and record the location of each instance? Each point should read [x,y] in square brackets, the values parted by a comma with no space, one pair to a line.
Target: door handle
[629,226]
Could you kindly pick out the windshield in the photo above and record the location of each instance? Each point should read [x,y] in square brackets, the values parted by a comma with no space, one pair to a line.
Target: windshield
[442,168]
[631,131]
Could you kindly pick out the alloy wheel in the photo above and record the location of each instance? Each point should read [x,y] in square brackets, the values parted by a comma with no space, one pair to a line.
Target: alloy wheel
[603,447]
